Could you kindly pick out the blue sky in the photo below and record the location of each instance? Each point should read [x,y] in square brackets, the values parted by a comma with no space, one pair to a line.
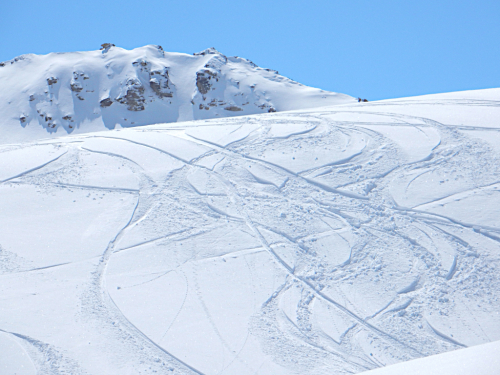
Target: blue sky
[371,49]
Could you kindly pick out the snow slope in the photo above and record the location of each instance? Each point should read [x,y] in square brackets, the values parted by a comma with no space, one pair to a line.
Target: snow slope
[479,360]
[321,241]
[61,93]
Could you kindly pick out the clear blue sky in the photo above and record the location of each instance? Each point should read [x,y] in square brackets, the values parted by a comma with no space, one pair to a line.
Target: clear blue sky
[372,49]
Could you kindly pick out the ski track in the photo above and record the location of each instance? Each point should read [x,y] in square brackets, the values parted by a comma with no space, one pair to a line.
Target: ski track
[378,297]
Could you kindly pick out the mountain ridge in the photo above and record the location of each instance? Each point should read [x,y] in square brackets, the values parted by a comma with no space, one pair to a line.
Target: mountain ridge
[76,92]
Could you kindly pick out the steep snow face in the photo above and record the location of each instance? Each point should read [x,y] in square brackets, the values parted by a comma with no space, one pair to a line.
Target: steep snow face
[63,93]
[330,241]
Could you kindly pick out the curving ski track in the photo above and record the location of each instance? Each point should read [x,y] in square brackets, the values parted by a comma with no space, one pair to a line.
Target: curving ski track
[364,236]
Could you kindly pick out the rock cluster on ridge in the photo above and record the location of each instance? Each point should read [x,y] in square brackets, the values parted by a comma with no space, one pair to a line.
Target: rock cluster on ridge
[87,91]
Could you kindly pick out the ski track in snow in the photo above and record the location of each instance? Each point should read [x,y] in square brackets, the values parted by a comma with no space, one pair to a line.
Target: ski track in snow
[333,247]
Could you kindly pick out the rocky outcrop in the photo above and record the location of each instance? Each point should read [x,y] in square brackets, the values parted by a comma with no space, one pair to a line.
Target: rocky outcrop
[160,83]
[142,63]
[159,80]
[208,51]
[203,80]
[160,49]
[76,86]
[106,102]
[213,85]
[13,61]
[106,46]
[133,95]
[77,83]
[52,81]
[61,92]
[266,107]
[47,119]
[233,108]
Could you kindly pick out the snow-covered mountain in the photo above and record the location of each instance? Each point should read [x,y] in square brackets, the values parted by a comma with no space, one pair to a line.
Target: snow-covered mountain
[321,241]
[77,92]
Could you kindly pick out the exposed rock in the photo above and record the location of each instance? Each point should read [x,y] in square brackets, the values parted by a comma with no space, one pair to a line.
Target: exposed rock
[78,75]
[208,51]
[76,86]
[14,60]
[106,46]
[145,81]
[160,83]
[158,89]
[106,102]
[212,87]
[266,106]
[203,80]
[133,95]
[213,103]
[141,62]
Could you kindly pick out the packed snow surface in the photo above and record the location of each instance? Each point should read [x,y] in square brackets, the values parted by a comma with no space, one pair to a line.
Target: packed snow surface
[478,360]
[322,241]
[77,92]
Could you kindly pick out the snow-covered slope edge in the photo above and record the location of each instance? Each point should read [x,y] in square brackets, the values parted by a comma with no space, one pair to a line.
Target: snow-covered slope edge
[88,91]
[479,360]
[327,241]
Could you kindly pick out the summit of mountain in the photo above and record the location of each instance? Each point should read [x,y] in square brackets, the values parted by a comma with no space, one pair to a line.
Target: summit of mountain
[77,92]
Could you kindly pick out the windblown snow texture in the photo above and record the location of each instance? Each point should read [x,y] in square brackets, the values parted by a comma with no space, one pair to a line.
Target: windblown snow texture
[60,93]
[322,241]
